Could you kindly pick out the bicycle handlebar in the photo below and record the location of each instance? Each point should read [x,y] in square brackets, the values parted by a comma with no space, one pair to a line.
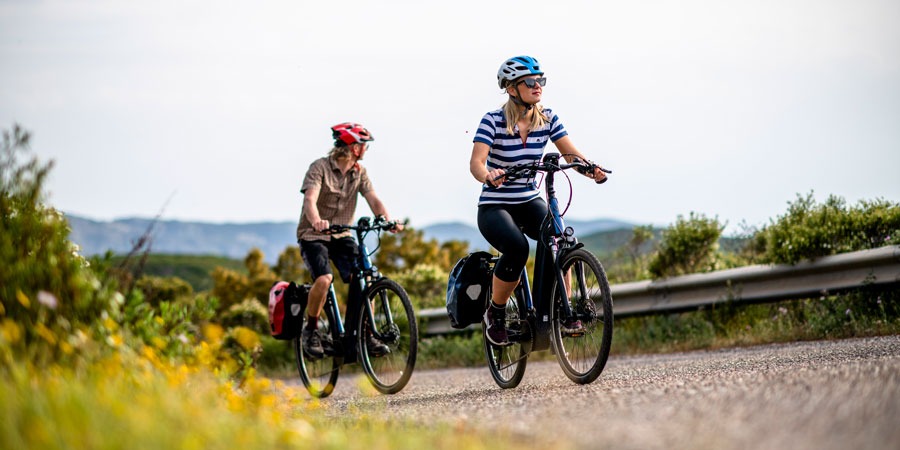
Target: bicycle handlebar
[528,170]
[365,224]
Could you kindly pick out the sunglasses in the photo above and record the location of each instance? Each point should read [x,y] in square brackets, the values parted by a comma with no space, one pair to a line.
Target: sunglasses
[532,82]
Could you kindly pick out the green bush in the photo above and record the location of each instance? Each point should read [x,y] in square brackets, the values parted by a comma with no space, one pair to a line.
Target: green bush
[249,313]
[426,285]
[688,246]
[158,289]
[277,358]
[232,287]
[809,230]
[50,297]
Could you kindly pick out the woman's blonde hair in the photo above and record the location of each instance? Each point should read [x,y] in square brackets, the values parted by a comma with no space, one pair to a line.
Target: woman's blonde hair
[512,112]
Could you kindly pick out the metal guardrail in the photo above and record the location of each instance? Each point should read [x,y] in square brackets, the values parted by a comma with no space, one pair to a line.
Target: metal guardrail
[875,268]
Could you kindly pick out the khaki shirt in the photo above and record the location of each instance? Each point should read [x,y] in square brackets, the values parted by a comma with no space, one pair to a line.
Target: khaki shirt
[337,196]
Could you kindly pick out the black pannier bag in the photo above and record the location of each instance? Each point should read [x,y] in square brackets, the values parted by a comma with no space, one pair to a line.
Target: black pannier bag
[470,281]
[287,306]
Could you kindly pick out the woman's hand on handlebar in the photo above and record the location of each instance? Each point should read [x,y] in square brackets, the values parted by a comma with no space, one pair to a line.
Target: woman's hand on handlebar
[495,177]
[598,175]
[593,171]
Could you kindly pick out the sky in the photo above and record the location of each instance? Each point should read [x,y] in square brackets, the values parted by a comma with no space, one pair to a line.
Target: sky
[213,111]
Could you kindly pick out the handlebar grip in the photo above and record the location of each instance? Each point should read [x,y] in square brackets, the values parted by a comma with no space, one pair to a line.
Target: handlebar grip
[334,229]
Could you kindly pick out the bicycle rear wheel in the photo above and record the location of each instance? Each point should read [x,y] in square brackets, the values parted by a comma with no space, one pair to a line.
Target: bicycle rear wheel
[582,356]
[395,325]
[319,375]
[507,363]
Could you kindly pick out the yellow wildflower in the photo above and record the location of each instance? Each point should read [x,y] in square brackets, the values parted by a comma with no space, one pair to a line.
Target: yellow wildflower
[246,337]
[115,340]
[213,333]
[178,376]
[158,342]
[23,299]
[110,324]
[45,333]
[10,331]
[205,354]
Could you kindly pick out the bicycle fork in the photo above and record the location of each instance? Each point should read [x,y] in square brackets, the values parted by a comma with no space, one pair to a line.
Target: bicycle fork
[561,279]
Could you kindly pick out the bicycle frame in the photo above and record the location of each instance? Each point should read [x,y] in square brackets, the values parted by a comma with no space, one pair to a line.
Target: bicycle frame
[553,241]
[364,275]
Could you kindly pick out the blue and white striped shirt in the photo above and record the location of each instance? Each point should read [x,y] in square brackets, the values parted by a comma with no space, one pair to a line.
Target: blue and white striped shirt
[507,150]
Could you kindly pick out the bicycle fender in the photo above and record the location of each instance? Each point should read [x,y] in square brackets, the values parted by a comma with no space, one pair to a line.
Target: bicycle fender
[564,251]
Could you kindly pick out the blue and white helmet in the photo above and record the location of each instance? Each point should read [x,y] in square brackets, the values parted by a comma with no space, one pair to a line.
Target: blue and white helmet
[517,67]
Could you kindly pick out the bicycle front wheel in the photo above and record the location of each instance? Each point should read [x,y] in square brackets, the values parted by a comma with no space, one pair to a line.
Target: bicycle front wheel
[319,375]
[395,326]
[583,354]
[507,363]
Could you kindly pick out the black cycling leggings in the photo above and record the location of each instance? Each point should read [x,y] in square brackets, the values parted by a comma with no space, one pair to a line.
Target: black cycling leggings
[503,226]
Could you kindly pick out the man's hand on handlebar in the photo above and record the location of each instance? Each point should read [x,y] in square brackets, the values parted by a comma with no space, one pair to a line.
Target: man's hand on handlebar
[321,225]
[397,224]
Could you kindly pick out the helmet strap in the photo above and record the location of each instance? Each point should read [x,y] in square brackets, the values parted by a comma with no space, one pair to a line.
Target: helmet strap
[518,101]
[525,106]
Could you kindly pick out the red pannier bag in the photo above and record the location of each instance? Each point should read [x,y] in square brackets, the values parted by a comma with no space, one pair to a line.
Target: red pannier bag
[287,303]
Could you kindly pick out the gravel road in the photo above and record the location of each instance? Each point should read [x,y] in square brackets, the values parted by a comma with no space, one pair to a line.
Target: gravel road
[810,395]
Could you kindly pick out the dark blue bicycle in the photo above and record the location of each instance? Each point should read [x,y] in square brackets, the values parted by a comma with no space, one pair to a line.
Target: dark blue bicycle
[386,313]
[569,283]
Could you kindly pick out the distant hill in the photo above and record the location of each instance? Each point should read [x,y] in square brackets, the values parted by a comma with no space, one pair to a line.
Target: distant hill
[234,240]
[196,270]
[177,237]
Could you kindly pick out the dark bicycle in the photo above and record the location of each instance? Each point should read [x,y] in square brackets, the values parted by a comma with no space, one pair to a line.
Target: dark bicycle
[569,283]
[386,313]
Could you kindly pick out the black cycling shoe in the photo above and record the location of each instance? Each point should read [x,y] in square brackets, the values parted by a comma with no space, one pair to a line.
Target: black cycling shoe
[375,347]
[312,343]
[496,327]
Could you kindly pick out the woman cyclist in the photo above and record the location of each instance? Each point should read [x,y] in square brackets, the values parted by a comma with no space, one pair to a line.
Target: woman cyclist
[517,133]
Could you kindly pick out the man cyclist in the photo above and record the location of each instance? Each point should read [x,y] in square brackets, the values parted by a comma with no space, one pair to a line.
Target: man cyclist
[330,190]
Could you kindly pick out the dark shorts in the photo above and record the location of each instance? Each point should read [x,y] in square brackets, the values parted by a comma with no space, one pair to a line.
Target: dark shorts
[505,227]
[342,251]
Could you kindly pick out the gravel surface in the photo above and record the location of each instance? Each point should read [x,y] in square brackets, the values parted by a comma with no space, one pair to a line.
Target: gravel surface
[811,395]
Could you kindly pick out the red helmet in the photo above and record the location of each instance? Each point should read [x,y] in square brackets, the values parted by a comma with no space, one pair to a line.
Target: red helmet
[349,133]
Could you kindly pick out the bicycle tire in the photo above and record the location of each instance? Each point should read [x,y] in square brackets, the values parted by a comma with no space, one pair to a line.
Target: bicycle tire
[320,375]
[507,363]
[583,356]
[391,372]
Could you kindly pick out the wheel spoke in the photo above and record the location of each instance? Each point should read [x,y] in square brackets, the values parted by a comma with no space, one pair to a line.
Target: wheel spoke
[319,375]
[582,356]
[507,363]
[395,325]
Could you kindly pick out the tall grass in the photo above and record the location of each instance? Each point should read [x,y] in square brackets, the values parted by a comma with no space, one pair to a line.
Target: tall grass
[130,403]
